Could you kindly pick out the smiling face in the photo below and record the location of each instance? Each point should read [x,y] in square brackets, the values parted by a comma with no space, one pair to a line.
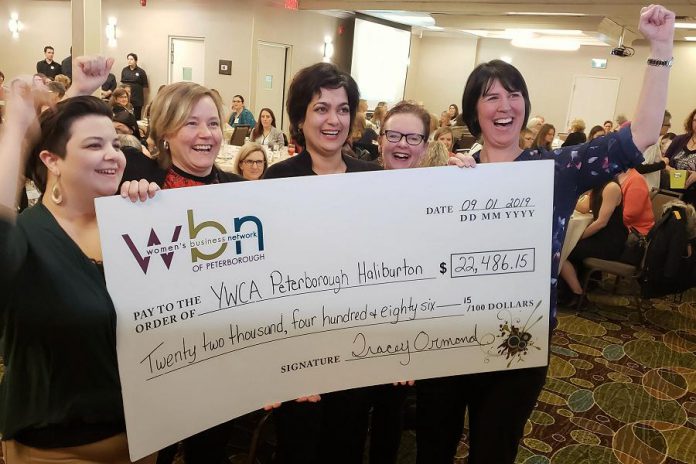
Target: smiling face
[501,114]
[266,120]
[93,163]
[327,122]
[196,144]
[122,99]
[400,154]
[251,167]
[452,111]
[608,126]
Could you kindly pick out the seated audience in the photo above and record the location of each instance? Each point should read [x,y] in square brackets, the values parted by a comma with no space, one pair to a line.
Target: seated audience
[576,134]
[453,112]
[596,131]
[240,115]
[526,139]
[604,238]
[266,132]
[637,207]
[534,124]
[445,135]
[544,137]
[251,162]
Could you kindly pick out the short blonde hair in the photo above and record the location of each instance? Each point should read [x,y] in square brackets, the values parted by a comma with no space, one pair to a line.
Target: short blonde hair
[436,155]
[246,150]
[577,125]
[170,110]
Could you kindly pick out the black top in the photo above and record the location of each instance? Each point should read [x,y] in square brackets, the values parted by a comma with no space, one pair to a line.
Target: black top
[109,83]
[137,79]
[51,69]
[58,338]
[301,165]
[66,64]
[139,166]
[574,138]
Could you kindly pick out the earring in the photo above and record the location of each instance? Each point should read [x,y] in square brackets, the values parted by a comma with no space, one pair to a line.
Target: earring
[56,194]
[166,145]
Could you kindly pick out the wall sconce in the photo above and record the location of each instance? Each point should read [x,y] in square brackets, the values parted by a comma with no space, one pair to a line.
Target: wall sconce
[15,25]
[111,32]
[328,50]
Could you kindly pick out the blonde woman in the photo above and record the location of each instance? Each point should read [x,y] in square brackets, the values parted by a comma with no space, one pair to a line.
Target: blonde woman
[251,162]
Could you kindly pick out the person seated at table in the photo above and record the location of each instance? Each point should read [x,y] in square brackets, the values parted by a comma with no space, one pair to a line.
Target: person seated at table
[378,116]
[682,155]
[251,162]
[120,101]
[526,139]
[544,137]
[125,123]
[596,131]
[446,136]
[60,395]
[576,134]
[240,115]
[637,207]
[265,131]
[604,238]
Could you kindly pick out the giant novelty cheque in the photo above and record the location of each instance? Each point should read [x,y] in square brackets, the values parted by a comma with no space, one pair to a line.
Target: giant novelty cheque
[233,296]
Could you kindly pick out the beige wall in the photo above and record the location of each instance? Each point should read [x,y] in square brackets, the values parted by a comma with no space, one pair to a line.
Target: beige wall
[45,23]
[438,70]
[231,29]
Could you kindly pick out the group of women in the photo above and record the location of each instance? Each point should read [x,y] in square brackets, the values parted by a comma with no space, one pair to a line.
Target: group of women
[59,349]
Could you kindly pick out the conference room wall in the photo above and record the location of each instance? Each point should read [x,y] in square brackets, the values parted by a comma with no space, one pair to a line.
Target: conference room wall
[45,23]
[231,29]
[438,70]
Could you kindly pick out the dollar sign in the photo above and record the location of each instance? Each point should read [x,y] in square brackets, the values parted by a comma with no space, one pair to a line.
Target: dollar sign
[443,268]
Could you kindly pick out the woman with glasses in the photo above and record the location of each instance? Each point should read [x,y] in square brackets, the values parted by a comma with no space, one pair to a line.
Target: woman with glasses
[240,115]
[266,132]
[682,153]
[185,125]
[496,105]
[251,162]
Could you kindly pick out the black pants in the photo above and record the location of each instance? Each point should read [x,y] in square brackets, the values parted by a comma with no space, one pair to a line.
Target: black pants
[499,404]
[335,429]
[207,447]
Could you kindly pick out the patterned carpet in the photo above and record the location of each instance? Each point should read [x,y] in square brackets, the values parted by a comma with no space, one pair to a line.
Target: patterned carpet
[621,386]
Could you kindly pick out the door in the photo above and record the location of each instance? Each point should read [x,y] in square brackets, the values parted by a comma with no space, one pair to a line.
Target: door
[187,59]
[593,99]
[271,72]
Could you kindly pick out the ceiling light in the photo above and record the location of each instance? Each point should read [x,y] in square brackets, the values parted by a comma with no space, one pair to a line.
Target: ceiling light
[547,43]
[15,25]
[404,17]
[562,32]
[690,38]
[435,28]
[685,25]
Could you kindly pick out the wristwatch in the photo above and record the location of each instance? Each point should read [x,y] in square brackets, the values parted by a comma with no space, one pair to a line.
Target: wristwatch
[665,63]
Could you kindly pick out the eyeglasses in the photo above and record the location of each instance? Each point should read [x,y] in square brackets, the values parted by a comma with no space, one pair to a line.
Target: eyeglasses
[250,163]
[411,139]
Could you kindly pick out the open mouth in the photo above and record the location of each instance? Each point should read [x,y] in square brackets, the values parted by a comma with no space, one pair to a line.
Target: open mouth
[202,148]
[106,172]
[330,133]
[401,156]
[502,122]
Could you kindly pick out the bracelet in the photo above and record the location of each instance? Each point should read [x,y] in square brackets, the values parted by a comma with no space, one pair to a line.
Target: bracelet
[660,63]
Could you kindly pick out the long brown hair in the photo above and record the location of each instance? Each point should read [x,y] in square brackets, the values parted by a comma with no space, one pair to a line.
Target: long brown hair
[258,129]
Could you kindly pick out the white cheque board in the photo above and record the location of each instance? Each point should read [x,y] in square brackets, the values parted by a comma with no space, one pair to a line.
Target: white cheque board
[234,296]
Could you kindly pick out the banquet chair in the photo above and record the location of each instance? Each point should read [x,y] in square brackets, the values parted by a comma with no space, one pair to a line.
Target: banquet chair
[615,268]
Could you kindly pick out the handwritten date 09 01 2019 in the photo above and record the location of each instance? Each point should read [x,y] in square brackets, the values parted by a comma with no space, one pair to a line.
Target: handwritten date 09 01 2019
[474,204]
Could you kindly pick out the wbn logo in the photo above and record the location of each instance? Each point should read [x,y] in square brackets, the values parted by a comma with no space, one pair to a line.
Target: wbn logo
[154,245]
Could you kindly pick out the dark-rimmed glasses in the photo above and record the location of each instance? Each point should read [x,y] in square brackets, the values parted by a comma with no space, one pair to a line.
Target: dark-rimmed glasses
[250,163]
[396,136]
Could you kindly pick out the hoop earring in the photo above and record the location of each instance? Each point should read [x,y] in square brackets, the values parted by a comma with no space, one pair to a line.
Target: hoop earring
[166,145]
[56,194]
